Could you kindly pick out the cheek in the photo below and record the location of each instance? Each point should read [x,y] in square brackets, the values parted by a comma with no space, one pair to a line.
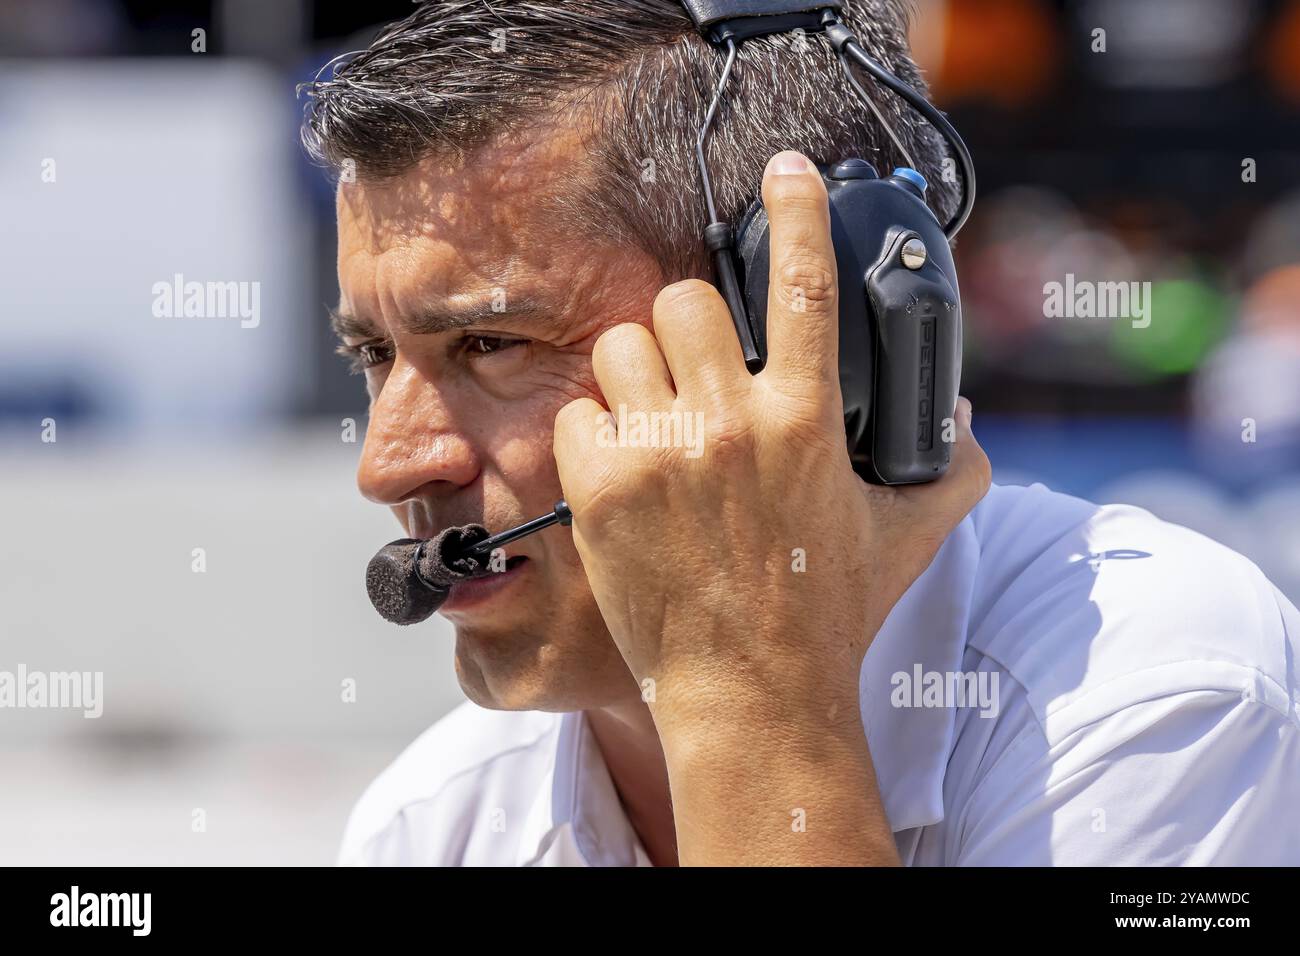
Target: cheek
[555,382]
[513,430]
[525,433]
[524,460]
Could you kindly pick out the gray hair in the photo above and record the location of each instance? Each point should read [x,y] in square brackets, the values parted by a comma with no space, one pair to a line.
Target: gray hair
[455,74]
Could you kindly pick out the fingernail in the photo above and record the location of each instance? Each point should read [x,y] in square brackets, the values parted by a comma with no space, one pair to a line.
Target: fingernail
[788,163]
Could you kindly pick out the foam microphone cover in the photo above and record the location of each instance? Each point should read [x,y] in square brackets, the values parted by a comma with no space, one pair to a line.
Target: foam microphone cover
[405,593]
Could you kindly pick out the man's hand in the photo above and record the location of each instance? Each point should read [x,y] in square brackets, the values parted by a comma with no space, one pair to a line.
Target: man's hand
[744,575]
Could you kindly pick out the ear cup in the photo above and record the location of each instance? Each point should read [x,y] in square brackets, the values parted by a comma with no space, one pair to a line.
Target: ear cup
[899,325]
[855,346]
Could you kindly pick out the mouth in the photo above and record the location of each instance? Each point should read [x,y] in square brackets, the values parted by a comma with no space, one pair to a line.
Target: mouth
[478,593]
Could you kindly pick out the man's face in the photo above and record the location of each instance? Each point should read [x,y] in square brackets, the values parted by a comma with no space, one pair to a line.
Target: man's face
[476,311]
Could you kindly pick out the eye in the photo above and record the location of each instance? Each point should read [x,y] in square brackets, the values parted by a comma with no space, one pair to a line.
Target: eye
[489,344]
[374,353]
[367,355]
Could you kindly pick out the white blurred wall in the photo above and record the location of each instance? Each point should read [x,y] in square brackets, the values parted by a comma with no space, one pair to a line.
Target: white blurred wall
[159,167]
[222,689]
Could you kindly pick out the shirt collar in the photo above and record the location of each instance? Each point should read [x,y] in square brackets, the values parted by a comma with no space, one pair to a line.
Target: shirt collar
[577,818]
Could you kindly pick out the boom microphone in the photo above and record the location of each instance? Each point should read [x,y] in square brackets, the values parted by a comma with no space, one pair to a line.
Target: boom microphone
[409,579]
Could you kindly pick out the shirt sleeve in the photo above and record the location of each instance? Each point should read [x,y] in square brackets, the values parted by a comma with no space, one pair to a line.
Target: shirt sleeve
[1194,778]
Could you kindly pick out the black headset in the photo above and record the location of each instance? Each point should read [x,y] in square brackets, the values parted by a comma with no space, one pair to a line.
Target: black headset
[899,308]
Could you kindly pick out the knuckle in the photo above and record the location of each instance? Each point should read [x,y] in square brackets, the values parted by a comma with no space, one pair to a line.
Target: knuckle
[733,440]
[796,195]
[606,502]
[801,199]
[620,488]
[682,308]
[806,283]
[685,296]
[811,436]
[573,415]
[810,424]
[617,340]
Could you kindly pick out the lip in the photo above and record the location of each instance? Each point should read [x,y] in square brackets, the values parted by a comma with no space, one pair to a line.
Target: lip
[478,592]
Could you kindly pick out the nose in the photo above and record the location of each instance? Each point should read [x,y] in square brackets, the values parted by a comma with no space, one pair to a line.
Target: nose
[413,442]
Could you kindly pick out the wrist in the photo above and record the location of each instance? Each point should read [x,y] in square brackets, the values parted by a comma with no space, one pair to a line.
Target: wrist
[753,729]
[692,711]
[788,794]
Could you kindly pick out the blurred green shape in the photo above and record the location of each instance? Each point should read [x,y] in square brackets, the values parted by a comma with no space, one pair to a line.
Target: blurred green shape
[1188,317]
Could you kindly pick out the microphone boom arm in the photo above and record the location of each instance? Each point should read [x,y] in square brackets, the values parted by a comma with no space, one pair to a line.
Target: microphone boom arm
[560,515]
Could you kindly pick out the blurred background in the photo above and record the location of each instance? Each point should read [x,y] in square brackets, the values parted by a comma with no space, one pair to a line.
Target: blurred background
[155,472]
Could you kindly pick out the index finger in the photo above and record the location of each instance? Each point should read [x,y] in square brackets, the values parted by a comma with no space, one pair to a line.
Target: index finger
[803,288]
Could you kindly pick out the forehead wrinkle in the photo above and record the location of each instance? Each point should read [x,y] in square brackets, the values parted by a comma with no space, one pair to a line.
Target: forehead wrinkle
[466,245]
[522,174]
[496,221]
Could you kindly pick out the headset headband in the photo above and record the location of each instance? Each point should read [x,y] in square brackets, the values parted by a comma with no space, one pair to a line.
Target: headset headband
[728,23]
[742,19]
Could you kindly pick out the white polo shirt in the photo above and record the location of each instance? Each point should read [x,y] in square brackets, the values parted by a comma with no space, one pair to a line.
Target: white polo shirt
[1139,706]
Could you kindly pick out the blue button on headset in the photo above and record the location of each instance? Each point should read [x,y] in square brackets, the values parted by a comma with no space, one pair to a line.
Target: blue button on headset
[911,176]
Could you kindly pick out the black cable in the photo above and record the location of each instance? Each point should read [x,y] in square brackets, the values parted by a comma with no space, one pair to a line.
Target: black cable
[708,123]
[719,238]
[870,104]
[846,44]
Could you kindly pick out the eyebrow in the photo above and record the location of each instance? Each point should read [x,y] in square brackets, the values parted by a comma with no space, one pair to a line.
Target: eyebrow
[430,322]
